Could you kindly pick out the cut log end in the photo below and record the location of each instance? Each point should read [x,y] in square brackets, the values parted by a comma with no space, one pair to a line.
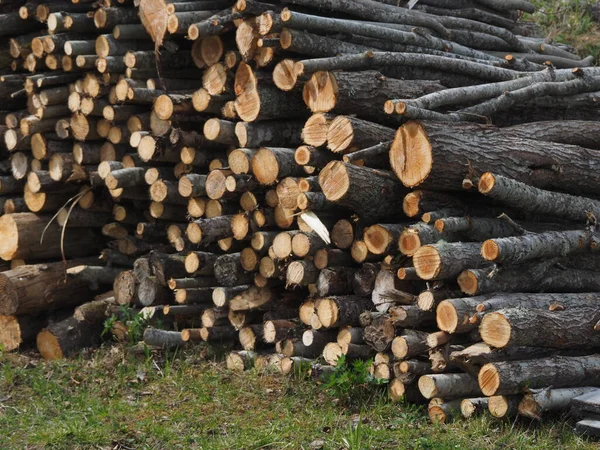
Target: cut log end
[495,330]
[332,353]
[427,262]
[265,166]
[334,180]
[468,282]
[437,414]
[327,312]
[320,92]
[426,299]
[9,244]
[411,155]
[490,250]
[48,346]
[427,387]
[284,75]
[163,107]
[409,242]
[377,239]
[499,406]
[192,263]
[489,380]
[10,332]
[340,134]
[235,362]
[447,317]
[487,182]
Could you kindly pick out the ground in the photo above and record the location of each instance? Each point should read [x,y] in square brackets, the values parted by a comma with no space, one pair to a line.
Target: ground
[111,399]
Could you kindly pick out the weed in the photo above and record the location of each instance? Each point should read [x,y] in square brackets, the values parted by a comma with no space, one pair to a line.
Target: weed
[352,382]
[136,323]
[570,22]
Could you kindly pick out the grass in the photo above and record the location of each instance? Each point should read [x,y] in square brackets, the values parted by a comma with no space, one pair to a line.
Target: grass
[570,22]
[110,400]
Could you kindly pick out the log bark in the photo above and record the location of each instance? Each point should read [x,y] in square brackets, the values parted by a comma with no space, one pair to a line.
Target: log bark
[380,333]
[279,330]
[335,281]
[229,271]
[267,134]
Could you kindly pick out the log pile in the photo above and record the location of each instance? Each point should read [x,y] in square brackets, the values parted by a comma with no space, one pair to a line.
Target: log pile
[309,179]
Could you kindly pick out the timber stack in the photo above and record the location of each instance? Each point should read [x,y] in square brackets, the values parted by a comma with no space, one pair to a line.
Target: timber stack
[309,179]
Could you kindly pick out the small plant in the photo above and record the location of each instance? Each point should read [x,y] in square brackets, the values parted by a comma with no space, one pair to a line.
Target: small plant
[352,382]
[354,441]
[135,323]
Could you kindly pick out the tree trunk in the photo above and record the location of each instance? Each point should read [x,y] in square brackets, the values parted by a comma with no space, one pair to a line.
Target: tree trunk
[360,93]
[535,403]
[340,311]
[278,330]
[566,329]
[541,245]
[21,234]
[198,296]
[412,343]
[471,407]
[368,192]
[472,358]
[164,339]
[534,200]
[447,260]
[347,134]
[439,163]
[411,316]
[505,378]
[270,164]
[36,289]
[448,385]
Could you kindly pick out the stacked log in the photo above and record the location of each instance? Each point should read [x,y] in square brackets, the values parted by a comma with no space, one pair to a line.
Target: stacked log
[242,164]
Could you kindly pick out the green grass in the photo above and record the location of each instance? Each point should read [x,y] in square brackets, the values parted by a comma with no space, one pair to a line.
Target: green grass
[570,22]
[190,401]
